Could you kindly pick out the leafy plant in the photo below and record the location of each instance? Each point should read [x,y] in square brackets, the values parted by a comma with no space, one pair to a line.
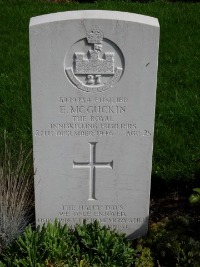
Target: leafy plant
[54,245]
[195,198]
[102,246]
[144,257]
[174,243]
[47,245]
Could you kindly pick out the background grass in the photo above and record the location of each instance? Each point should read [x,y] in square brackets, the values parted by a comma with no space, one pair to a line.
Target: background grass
[176,143]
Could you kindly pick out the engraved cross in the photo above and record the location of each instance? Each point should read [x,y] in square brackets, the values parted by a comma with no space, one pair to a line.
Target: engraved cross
[92,165]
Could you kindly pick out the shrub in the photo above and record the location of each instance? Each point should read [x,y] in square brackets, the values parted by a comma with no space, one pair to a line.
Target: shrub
[175,243]
[57,245]
[102,246]
[16,193]
[195,197]
[144,257]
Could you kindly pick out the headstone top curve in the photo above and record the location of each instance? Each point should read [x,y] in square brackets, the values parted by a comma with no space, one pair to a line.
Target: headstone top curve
[94,14]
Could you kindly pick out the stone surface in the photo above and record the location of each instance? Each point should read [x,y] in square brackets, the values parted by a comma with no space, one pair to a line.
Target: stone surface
[93,79]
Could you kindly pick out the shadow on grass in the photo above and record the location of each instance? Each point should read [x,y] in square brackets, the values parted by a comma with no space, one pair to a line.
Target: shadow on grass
[161,187]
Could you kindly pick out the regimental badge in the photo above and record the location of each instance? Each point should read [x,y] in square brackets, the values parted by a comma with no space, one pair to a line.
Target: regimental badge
[94,70]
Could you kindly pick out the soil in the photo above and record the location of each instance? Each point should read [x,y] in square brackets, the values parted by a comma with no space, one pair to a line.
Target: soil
[172,206]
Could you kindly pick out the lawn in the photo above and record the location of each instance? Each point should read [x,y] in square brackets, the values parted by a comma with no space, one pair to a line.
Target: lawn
[176,142]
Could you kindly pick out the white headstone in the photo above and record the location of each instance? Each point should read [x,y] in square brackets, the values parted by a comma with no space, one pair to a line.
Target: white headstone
[93,79]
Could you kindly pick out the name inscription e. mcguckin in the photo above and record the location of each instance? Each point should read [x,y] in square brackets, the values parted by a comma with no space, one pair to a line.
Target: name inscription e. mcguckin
[92,116]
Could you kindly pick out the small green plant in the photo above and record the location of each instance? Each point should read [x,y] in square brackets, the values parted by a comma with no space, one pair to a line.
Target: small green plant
[174,243]
[144,257]
[54,245]
[195,197]
[102,246]
[49,245]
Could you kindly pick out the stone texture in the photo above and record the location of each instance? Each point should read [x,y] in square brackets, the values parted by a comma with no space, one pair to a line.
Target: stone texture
[93,81]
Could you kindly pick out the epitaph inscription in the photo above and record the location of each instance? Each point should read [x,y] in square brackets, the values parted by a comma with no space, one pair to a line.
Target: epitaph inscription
[92,165]
[93,87]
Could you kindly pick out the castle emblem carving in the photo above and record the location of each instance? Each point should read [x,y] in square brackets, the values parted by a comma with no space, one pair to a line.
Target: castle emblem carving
[95,70]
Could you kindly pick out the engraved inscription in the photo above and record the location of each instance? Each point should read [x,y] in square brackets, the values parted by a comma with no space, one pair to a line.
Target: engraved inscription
[94,70]
[93,116]
[112,215]
[92,165]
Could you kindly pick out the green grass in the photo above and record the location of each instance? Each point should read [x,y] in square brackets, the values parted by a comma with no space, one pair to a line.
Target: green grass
[177,127]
